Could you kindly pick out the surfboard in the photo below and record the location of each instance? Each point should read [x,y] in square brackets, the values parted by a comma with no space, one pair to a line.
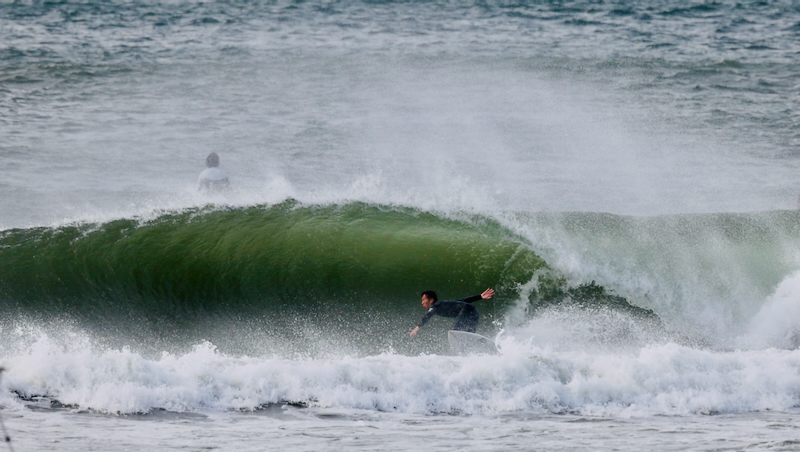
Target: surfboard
[463,344]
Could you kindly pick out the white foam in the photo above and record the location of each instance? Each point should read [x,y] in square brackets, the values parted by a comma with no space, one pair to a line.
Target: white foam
[667,379]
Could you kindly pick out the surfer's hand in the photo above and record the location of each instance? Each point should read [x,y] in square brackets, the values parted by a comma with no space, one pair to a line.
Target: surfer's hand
[414,332]
[487,294]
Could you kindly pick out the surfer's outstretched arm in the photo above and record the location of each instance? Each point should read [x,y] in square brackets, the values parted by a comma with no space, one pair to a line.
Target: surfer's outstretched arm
[488,293]
[422,322]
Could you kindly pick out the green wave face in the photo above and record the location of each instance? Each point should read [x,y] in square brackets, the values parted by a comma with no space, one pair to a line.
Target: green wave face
[327,265]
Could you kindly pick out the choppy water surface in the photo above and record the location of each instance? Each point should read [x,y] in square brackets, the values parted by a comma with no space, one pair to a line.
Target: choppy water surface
[624,174]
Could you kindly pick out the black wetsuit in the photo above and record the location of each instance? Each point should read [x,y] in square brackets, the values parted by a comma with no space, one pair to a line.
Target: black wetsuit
[466,314]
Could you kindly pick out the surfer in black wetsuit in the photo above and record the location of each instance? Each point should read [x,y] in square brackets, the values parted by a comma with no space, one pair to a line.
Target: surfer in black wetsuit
[465,313]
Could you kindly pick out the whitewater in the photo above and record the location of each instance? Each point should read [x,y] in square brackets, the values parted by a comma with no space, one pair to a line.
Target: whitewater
[623,174]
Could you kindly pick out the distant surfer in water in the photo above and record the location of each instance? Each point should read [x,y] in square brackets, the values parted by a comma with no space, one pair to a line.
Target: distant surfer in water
[465,313]
[213,179]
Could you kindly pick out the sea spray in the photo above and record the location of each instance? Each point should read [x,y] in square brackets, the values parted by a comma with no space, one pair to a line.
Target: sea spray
[777,324]
[705,276]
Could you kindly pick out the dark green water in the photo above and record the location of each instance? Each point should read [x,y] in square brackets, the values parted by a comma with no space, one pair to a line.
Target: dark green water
[345,267]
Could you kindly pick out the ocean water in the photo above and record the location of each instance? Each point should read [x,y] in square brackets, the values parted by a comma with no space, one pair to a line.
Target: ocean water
[624,174]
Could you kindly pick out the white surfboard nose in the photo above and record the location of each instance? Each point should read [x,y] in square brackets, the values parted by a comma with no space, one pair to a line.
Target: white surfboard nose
[463,343]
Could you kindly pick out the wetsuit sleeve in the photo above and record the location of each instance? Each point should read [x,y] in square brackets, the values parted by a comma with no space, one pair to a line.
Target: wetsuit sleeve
[471,299]
[426,317]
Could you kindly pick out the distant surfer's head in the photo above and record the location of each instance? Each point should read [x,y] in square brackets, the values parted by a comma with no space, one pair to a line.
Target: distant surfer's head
[428,298]
[212,160]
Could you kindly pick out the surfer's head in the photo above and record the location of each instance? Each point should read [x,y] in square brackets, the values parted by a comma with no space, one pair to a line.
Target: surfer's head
[428,298]
[212,160]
